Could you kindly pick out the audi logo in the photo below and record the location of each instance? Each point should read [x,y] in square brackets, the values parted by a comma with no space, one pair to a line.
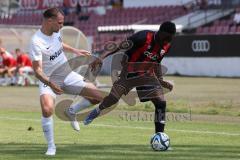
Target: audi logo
[29,4]
[200,45]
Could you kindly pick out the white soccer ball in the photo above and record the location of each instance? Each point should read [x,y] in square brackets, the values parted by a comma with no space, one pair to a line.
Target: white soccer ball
[160,141]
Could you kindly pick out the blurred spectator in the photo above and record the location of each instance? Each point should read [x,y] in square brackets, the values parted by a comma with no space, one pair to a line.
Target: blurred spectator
[24,68]
[236,18]
[8,67]
[192,5]
[203,4]
[197,4]
[215,2]
[82,12]
[65,8]
[116,3]
[78,9]
[1,65]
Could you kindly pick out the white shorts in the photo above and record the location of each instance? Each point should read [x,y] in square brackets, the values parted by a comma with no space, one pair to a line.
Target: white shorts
[26,69]
[73,84]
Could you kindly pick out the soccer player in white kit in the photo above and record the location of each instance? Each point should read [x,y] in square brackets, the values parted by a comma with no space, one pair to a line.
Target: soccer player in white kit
[47,54]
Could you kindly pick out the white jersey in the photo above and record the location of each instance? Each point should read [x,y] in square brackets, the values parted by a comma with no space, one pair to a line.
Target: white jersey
[49,50]
[9,54]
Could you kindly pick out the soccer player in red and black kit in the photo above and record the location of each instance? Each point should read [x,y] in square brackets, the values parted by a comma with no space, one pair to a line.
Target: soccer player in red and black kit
[147,51]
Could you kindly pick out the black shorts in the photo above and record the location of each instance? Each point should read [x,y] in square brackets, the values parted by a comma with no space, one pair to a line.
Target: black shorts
[147,87]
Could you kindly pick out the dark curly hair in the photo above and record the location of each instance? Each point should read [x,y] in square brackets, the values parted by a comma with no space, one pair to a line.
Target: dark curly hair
[168,27]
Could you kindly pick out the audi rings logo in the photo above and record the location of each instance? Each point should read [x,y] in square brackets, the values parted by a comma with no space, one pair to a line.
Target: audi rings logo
[200,45]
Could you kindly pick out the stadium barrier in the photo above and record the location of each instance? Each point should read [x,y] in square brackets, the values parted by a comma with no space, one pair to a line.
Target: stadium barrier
[200,55]
[204,55]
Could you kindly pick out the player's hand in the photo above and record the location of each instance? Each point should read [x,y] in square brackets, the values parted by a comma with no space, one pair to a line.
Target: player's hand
[167,84]
[95,64]
[82,52]
[56,89]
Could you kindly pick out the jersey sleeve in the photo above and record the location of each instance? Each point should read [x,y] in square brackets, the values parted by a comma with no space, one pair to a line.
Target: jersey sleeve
[19,60]
[167,47]
[35,52]
[138,38]
[59,36]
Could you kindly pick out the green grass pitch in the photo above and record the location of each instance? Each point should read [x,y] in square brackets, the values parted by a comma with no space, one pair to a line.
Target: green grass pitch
[207,135]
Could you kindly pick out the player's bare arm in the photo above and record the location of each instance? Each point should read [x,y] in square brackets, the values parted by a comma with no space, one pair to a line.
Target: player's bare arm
[164,83]
[37,67]
[79,52]
[98,61]
[19,66]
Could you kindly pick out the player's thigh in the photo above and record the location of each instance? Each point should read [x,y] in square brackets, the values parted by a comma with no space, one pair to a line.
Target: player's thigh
[74,84]
[120,87]
[90,91]
[47,99]
[146,93]
[2,70]
[26,69]
[12,69]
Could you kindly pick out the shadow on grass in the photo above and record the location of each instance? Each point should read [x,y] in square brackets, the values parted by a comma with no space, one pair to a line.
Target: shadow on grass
[118,152]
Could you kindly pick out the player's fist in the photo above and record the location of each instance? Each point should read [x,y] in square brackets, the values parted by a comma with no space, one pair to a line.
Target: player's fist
[95,64]
[167,84]
[56,89]
[82,52]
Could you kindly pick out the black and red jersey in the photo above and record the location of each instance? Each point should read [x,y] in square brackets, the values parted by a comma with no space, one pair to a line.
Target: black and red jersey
[145,50]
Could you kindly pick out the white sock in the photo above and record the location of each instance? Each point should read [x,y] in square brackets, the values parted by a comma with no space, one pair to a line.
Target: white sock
[84,103]
[8,80]
[13,80]
[20,80]
[47,125]
[25,75]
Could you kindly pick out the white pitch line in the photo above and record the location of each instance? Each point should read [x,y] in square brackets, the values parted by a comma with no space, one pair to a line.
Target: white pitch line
[206,132]
[129,127]
[174,130]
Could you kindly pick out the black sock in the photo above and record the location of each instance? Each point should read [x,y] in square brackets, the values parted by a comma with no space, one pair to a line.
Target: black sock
[159,127]
[160,113]
[108,101]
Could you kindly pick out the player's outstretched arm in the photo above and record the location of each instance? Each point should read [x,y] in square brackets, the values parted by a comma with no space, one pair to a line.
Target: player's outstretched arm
[106,54]
[98,61]
[37,67]
[166,84]
[79,52]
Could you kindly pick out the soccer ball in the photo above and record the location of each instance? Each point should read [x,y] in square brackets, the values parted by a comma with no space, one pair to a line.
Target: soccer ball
[160,141]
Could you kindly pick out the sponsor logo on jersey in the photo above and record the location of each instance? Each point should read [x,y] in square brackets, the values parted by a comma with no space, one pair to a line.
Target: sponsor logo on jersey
[151,55]
[60,39]
[162,52]
[56,54]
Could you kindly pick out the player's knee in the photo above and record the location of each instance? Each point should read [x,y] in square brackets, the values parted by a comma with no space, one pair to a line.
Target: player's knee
[94,101]
[47,111]
[20,71]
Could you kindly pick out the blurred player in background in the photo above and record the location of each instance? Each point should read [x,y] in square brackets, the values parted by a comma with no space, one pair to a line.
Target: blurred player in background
[148,47]
[0,42]
[8,66]
[24,67]
[47,54]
